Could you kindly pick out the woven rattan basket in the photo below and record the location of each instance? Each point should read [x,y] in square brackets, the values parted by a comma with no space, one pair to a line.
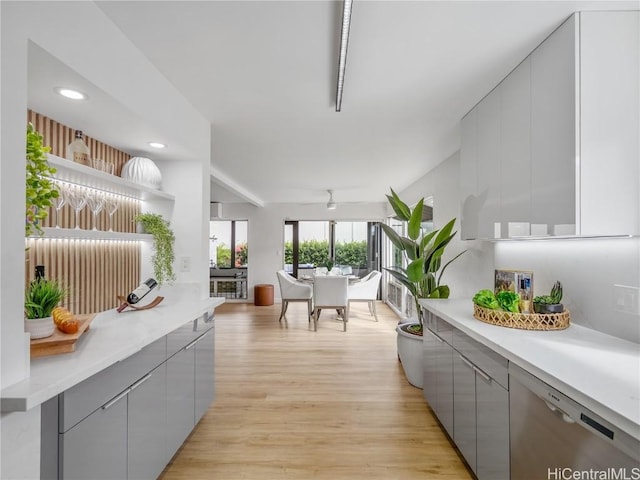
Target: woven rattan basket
[525,321]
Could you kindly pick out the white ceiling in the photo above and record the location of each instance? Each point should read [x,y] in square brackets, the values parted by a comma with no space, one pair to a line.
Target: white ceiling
[264,73]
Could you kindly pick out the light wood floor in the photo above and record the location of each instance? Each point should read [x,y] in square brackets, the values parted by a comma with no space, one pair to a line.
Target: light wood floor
[292,403]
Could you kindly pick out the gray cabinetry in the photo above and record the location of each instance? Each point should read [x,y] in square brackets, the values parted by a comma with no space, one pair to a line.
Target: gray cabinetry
[128,420]
[492,429]
[205,373]
[466,385]
[147,425]
[438,372]
[180,398]
[464,409]
[96,448]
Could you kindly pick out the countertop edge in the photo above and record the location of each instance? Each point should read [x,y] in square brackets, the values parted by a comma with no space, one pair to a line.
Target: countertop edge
[34,391]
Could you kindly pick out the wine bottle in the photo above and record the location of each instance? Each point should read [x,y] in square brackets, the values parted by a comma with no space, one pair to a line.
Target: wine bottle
[77,151]
[139,293]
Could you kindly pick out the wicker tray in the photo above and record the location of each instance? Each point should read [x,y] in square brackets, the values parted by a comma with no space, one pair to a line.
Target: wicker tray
[525,321]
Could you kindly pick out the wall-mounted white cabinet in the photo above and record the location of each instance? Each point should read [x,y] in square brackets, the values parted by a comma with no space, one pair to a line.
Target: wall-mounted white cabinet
[554,149]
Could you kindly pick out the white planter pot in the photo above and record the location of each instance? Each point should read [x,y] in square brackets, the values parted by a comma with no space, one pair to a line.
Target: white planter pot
[411,355]
[39,327]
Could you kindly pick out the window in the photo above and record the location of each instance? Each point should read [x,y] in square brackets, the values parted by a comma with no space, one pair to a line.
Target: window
[352,246]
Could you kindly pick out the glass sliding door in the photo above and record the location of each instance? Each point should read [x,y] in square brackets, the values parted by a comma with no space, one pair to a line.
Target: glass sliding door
[228,258]
[357,247]
[306,246]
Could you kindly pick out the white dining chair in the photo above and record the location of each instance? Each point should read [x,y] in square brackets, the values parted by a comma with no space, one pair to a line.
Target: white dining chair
[366,290]
[330,292]
[293,291]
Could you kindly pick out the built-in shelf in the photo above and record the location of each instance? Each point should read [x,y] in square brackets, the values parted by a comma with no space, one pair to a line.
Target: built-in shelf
[73,233]
[72,172]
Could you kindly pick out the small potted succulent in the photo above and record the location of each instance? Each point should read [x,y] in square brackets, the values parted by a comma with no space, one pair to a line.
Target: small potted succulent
[41,297]
[549,303]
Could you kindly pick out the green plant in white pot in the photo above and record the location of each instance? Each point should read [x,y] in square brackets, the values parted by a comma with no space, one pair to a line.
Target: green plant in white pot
[163,241]
[41,297]
[422,276]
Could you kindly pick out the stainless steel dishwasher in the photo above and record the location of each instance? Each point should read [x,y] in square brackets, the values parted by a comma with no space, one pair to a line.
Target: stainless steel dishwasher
[553,436]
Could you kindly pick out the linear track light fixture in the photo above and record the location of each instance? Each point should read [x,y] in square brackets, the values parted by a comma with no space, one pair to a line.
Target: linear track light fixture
[344,43]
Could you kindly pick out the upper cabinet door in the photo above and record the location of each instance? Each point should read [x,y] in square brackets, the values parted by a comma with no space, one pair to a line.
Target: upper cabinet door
[469,177]
[553,132]
[488,170]
[610,123]
[515,151]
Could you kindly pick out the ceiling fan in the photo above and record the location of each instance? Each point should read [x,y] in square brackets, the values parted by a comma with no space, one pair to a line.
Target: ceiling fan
[331,204]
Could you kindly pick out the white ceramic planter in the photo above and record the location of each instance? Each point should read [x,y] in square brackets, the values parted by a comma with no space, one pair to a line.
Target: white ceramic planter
[411,355]
[39,327]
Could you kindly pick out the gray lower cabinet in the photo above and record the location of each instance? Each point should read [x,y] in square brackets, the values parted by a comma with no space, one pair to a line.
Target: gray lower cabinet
[147,425]
[464,409]
[205,373]
[492,429]
[96,448]
[438,378]
[180,398]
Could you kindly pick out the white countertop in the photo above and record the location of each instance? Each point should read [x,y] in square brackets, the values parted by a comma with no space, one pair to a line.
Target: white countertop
[111,338]
[599,371]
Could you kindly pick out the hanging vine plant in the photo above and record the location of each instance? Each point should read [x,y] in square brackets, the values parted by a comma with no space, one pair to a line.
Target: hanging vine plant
[40,189]
[163,240]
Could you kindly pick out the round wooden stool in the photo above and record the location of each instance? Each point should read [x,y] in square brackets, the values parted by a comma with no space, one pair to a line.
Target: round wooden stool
[263,294]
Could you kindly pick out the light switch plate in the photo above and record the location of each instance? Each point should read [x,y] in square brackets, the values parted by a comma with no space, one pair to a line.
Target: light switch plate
[626,299]
[185,264]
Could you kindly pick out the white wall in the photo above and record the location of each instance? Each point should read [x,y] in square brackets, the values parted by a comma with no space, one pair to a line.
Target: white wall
[587,268]
[81,36]
[266,231]
[474,269]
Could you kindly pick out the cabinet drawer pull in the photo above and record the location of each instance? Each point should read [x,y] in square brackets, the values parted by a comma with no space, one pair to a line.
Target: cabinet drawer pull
[435,336]
[140,382]
[195,341]
[482,374]
[475,369]
[116,399]
[467,362]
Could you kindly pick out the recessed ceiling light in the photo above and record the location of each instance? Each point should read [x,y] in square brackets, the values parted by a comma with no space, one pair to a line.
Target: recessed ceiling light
[69,93]
[157,145]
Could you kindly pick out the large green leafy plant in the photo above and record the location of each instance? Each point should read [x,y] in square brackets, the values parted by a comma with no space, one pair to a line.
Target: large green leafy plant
[423,254]
[40,189]
[163,240]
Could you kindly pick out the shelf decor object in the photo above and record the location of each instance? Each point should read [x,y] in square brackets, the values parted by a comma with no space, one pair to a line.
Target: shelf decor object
[152,304]
[143,171]
[524,321]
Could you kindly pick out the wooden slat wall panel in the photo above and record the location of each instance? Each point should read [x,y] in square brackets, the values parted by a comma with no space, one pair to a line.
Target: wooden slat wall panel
[93,271]
[58,136]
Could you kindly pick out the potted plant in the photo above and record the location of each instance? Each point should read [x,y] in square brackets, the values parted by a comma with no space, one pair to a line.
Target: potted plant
[40,189]
[422,276]
[163,240]
[41,297]
[547,304]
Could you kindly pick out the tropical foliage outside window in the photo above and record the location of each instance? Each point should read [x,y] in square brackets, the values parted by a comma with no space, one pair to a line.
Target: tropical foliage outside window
[315,252]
